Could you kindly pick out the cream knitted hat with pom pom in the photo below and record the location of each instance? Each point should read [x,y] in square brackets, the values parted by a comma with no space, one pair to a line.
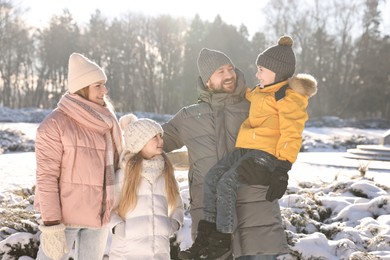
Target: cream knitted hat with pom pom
[138,132]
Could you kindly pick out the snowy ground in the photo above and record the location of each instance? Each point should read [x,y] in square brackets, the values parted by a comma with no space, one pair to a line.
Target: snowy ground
[330,210]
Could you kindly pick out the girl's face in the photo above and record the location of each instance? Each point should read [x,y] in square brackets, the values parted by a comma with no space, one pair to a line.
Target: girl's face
[153,147]
[97,91]
[265,76]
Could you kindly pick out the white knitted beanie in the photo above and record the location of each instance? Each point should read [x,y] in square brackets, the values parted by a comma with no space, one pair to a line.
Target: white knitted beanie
[83,72]
[138,132]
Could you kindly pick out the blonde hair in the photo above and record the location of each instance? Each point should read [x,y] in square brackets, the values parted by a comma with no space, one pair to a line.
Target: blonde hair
[133,168]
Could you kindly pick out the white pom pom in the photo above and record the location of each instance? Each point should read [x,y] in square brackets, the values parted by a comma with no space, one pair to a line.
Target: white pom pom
[125,120]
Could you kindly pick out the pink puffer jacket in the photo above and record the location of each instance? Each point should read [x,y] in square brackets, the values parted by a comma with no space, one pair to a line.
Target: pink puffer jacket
[70,171]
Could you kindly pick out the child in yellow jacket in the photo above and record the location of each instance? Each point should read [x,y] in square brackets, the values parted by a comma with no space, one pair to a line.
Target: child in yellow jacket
[268,143]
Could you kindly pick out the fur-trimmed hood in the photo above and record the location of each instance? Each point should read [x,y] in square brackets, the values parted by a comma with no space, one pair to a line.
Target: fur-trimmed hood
[304,84]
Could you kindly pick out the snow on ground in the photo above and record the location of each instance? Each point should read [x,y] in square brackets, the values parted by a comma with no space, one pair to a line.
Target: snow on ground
[330,210]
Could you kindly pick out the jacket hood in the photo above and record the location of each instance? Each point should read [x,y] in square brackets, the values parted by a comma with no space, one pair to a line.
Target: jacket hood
[304,84]
[224,98]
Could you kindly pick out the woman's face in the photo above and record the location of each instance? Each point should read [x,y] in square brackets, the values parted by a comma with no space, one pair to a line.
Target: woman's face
[97,91]
[153,147]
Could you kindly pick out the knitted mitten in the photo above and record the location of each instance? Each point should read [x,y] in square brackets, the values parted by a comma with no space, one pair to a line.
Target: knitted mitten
[53,241]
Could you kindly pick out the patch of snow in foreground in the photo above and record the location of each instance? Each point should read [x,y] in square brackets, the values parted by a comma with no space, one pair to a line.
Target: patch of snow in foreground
[328,212]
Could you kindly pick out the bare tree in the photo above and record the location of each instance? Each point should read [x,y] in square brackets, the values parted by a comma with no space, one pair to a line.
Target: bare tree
[123,61]
[15,55]
[372,81]
[56,43]
[169,44]
[151,61]
[324,46]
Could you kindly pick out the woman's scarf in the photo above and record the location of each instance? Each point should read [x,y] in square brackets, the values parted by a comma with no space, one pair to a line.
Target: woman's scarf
[100,119]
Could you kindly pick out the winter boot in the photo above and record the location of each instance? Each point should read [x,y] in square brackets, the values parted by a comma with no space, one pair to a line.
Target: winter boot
[220,246]
[199,247]
[174,248]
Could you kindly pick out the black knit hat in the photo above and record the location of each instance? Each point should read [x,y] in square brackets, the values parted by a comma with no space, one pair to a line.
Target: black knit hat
[279,59]
[209,61]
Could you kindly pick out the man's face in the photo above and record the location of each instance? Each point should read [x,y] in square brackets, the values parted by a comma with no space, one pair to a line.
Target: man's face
[223,80]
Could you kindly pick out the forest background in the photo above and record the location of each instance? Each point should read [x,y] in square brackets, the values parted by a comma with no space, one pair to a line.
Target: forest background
[150,61]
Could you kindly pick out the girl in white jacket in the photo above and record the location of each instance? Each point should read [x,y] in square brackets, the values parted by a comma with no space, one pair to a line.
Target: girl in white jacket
[149,209]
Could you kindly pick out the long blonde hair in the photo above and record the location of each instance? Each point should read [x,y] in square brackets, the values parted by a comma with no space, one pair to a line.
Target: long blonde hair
[132,171]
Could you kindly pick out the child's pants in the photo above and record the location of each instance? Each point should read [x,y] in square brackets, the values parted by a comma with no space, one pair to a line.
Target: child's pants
[220,189]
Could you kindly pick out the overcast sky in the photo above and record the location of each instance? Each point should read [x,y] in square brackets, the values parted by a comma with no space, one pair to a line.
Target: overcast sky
[248,12]
[40,11]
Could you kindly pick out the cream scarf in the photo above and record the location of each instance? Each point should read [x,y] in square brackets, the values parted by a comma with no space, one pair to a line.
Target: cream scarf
[152,168]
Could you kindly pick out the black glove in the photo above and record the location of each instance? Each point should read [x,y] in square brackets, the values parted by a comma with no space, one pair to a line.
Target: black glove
[278,181]
[256,171]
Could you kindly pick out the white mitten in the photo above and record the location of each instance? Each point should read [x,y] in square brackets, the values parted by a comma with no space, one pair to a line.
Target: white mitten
[174,226]
[53,241]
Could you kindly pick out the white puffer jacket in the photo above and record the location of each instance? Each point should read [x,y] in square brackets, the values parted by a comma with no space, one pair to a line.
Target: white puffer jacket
[145,232]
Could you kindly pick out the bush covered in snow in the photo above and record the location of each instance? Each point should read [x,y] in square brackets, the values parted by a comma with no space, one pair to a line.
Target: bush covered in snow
[333,121]
[18,225]
[336,143]
[15,141]
[337,220]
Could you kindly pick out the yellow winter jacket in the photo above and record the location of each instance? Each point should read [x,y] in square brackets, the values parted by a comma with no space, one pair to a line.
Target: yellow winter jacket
[276,126]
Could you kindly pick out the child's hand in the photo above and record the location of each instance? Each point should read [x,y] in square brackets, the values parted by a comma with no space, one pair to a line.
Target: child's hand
[279,181]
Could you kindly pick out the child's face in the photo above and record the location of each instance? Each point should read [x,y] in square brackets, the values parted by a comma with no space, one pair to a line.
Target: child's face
[153,147]
[265,76]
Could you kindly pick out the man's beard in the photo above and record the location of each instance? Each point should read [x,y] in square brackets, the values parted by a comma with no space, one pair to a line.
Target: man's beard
[220,89]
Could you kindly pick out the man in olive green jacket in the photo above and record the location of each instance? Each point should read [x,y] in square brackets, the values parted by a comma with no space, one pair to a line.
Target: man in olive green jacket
[209,129]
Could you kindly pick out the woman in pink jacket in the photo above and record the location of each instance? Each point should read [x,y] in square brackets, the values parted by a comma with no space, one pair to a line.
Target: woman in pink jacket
[77,151]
